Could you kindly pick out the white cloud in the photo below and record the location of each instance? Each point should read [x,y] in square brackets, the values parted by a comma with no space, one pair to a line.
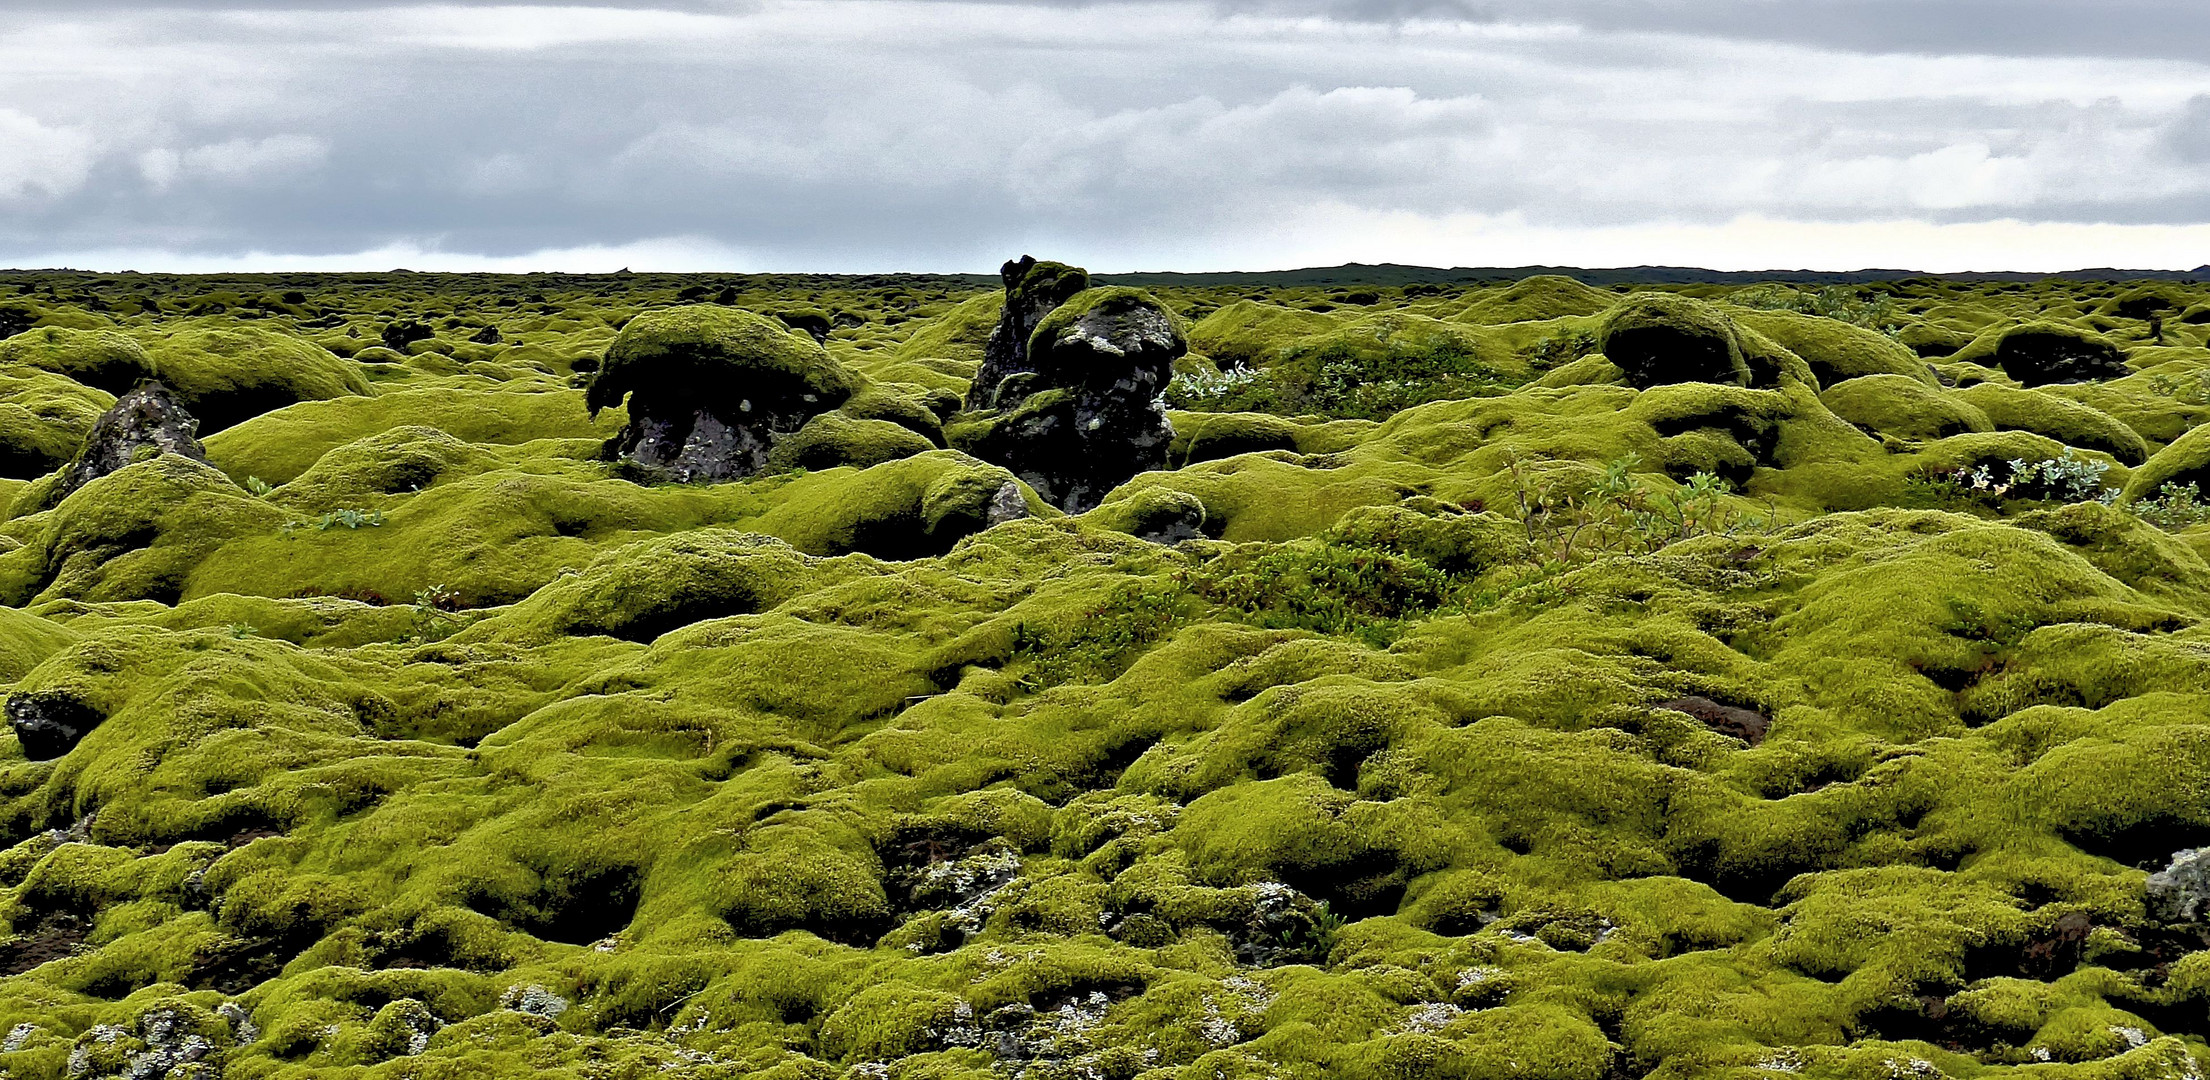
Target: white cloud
[245,161]
[41,160]
[875,134]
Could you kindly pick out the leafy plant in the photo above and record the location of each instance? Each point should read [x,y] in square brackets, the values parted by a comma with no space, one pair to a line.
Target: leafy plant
[2174,506]
[433,608]
[1875,311]
[1571,518]
[2189,389]
[1100,644]
[346,518]
[1328,587]
[2069,479]
[259,487]
[1560,349]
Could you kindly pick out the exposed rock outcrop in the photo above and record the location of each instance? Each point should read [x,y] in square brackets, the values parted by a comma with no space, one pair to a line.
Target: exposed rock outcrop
[1032,290]
[146,420]
[711,390]
[2180,893]
[1077,401]
[49,723]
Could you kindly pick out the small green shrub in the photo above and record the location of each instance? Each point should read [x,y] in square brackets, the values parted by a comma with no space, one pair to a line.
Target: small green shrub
[2174,506]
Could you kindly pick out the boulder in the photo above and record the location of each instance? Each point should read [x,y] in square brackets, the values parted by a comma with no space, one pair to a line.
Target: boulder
[1085,412]
[2037,354]
[49,723]
[1032,290]
[1658,338]
[711,390]
[2179,893]
[147,420]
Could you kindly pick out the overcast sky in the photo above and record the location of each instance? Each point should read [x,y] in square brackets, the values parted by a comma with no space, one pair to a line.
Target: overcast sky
[876,135]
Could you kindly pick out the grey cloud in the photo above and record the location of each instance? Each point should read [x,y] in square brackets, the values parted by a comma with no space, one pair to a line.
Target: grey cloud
[2189,135]
[942,135]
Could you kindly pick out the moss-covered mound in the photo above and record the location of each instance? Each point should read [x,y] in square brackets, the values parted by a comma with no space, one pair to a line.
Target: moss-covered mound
[1741,701]
[1658,338]
[225,373]
[1539,298]
[104,359]
[712,390]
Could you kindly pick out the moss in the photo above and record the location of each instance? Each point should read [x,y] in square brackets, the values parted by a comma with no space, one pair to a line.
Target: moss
[714,353]
[1658,338]
[2185,461]
[1538,298]
[1205,436]
[280,445]
[810,772]
[834,438]
[224,373]
[2059,418]
[1835,350]
[1903,407]
[44,420]
[640,591]
[916,505]
[1247,333]
[104,359]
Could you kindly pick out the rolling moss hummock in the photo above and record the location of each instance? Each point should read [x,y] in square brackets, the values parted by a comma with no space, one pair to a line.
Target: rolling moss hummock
[1521,681]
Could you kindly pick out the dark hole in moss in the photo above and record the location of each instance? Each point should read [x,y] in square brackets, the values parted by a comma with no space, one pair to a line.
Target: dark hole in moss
[54,935]
[1376,889]
[236,965]
[573,905]
[2044,955]
[2146,844]
[1929,1019]
[1737,721]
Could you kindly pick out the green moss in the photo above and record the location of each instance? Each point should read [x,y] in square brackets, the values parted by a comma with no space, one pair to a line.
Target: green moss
[106,359]
[2060,418]
[1837,351]
[1903,407]
[224,373]
[44,419]
[549,774]
[280,445]
[1658,338]
[715,353]
[1543,297]
[834,438]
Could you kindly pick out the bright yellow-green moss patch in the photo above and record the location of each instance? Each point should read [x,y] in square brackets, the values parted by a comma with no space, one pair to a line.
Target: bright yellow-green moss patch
[1761,706]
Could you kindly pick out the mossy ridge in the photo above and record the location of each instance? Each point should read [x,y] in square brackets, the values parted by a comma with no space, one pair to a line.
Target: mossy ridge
[707,800]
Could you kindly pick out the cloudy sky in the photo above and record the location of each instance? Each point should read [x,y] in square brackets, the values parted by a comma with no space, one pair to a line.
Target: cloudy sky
[875,135]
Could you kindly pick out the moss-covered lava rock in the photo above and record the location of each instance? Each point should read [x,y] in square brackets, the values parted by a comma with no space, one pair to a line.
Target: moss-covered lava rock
[710,389]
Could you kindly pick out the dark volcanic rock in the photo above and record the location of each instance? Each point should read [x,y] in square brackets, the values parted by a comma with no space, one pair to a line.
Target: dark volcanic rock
[1088,414]
[711,390]
[49,722]
[400,333]
[1032,290]
[2041,353]
[1747,725]
[146,420]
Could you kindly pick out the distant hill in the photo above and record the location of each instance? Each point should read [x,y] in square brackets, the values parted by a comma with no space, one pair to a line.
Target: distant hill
[1398,274]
